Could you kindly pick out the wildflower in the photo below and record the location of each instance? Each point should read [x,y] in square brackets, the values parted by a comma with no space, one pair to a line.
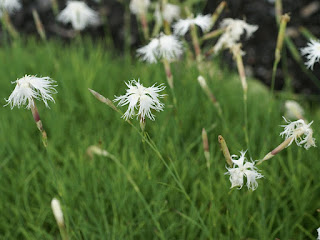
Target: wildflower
[318,230]
[300,132]
[169,12]
[57,212]
[29,88]
[139,7]
[164,47]
[312,52]
[293,110]
[79,15]
[234,28]
[183,25]
[241,168]
[141,98]
[9,6]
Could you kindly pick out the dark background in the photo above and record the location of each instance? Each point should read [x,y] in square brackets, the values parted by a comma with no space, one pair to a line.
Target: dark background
[259,49]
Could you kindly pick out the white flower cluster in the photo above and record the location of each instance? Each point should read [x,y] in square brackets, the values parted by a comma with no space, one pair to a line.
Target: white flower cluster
[182,26]
[79,15]
[243,168]
[234,28]
[29,88]
[312,52]
[9,6]
[139,7]
[300,132]
[141,98]
[169,13]
[164,47]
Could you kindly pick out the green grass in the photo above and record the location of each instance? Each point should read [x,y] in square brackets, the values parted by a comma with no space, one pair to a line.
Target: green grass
[98,196]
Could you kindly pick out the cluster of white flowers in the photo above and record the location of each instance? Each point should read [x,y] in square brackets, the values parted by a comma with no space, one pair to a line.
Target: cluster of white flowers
[169,13]
[293,110]
[182,26]
[300,132]
[29,88]
[234,28]
[9,6]
[142,98]
[164,47]
[79,15]
[139,7]
[312,52]
[243,168]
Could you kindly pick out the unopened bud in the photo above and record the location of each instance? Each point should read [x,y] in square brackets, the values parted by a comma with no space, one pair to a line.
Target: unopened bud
[57,212]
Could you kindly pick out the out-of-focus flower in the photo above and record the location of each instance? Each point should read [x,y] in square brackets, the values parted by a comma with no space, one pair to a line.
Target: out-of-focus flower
[57,212]
[164,47]
[318,230]
[141,98]
[9,6]
[234,28]
[312,52]
[243,168]
[300,132]
[182,26]
[169,13]
[139,7]
[79,15]
[29,88]
[293,110]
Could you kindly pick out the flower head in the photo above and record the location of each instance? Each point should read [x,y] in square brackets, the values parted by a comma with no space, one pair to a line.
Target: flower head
[300,132]
[312,52]
[57,212]
[318,230]
[234,28]
[142,99]
[9,6]
[29,88]
[293,110]
[165,47]
[182,26]
[79,15]
[139,7]
[242,168]
[168,13]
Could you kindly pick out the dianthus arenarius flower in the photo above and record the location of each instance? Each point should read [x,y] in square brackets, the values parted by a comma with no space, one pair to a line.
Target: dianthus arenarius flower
[166,47]
[29,88]
[312,52]
[79,15]
[300,132]
[243,168]
[9,6]
[182,26]
[143,99]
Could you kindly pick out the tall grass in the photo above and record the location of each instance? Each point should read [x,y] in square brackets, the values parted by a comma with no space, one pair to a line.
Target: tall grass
[97,196]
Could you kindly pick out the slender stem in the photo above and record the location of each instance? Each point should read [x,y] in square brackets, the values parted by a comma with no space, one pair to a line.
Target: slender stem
[36,117]
[39,25]
[7,24]
[237,54]
[169,76]
[144,24]
[218,12]
[195,42]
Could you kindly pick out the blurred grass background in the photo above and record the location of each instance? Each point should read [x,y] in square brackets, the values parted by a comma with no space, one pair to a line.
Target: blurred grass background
[98,200]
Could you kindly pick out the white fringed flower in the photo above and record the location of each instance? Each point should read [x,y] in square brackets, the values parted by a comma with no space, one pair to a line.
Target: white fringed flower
[79,15]
[182,26]
[169,13]
[312,52]
[9,6]
[29,88]
[57,211]
[242,168]
[139,7]
[141,98]
[165,47]
[300,132]
[293,110]
[234,28]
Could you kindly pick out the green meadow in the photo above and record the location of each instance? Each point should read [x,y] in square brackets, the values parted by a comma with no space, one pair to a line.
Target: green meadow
[155,185]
